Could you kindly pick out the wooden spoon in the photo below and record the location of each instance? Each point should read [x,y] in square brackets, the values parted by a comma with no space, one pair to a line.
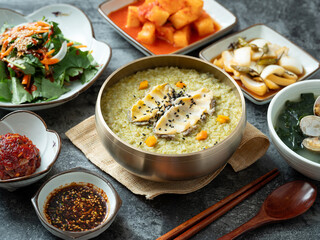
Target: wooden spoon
[288,201]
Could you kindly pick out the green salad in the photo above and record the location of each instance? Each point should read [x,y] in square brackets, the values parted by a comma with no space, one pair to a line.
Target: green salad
[37,63]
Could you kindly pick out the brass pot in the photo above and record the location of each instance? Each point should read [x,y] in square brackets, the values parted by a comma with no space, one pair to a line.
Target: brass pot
[169,167]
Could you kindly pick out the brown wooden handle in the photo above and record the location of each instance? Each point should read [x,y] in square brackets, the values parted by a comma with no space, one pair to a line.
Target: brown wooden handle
[260,219]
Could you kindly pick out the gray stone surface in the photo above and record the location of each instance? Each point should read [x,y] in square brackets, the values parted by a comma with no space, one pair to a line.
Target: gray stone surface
[144,219]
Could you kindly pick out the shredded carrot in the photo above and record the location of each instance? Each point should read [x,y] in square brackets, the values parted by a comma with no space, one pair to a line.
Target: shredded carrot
[43,24]
[4,46]
[180,84]
[7,52]
[46,66]
[69,44]
[202,135]
[49,61]
[50,52]
[223,119]
[41,31]
[143,85]
[4,38]
[26,79]
[47,40]
[80,46]
[151,141]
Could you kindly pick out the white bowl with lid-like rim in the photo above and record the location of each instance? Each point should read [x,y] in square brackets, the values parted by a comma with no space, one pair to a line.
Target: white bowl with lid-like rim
[292,93]
[83,176]
[47,141]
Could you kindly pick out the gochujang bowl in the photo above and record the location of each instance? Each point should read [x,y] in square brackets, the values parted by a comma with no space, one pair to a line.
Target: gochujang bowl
[60,196]
[179,78]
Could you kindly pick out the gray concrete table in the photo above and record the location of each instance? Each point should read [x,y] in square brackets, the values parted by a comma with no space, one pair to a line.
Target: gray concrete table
[144,219]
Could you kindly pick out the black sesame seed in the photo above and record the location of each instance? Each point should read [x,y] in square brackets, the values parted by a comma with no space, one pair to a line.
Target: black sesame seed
[140,143]
[143,134]
[183,138]
[139,107]
[159,129]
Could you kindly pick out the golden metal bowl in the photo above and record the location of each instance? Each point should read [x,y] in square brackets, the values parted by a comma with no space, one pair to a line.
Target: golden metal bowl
[169,167]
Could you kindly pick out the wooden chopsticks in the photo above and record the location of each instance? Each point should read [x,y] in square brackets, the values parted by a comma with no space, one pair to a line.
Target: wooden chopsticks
[203,219]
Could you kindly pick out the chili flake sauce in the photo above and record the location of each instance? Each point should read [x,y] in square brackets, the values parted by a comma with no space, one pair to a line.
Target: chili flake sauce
[76,207]
[18,156]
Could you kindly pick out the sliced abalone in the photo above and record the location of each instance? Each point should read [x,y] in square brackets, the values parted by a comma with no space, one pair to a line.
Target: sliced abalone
[185,112]
[154,103]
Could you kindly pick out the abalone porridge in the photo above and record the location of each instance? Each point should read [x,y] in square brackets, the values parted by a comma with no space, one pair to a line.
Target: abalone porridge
[169,110]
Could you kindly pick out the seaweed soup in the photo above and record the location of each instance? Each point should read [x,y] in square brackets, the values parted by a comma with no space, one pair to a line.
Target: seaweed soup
[287,125]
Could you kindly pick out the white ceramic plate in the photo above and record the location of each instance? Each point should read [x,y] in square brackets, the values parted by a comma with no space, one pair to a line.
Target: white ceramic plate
[220,14]
[76,26]
[47,141]
[310,64]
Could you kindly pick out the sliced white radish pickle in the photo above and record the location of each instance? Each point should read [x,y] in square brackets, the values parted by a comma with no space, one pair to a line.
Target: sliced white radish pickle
[291,64]
[226,58]
[280,80]
[258,88]
[272,69]
[242,56]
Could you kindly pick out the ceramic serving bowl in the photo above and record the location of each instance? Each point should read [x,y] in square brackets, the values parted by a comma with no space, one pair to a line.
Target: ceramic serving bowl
[169,167]
[292,93]
[76,26]
[77,175]
[47,141]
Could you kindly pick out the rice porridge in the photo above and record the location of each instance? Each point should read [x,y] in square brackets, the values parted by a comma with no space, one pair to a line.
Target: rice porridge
[119,100]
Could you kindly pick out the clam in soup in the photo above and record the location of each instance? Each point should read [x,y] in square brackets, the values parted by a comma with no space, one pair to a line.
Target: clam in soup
[298,126]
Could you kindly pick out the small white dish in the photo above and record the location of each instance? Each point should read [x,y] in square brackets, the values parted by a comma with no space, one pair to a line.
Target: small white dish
[310,64]
[77,175]
[220,14]
[292,93]
[47,141]
[76,26]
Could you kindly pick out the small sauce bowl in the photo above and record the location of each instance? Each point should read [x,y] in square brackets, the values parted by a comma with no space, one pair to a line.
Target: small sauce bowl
[47,141]
[79,176]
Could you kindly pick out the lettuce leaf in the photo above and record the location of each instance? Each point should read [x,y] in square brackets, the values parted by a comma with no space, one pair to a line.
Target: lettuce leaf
[51,90]
[73,59]
[5,93]
[19,94]
[88,74]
